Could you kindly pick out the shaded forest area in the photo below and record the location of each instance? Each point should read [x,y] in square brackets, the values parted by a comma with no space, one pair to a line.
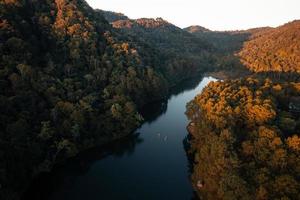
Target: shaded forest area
[181,54]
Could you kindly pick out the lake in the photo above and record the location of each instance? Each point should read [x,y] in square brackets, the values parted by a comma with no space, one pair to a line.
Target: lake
[148,165]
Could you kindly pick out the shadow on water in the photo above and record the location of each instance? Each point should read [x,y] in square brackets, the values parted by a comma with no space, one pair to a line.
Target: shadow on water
[152,111]
[47,183]
[186,86]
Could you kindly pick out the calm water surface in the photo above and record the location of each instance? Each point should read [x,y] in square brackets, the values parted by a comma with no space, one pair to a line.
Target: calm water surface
[150,165]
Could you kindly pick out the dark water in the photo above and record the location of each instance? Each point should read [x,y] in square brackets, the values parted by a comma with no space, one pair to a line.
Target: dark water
[149,165]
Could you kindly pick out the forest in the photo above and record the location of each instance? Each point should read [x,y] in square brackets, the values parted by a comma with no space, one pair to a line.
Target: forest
[273,49]
[174,47]
[245,140]
[72,78]
[244,133]
[68,82]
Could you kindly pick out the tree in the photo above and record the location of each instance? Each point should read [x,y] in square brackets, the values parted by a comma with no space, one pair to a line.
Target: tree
[47,131]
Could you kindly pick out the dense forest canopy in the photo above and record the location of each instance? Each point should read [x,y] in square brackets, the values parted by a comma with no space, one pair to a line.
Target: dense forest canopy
[68,81]
[274,50]
[245,133]
[176,49]
[246,140]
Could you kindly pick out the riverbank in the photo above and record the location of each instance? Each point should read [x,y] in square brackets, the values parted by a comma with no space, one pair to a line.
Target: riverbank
[119,137]
[229,74]
[144,161]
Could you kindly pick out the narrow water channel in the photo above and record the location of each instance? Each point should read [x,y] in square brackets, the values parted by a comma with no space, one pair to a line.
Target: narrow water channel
[150,165]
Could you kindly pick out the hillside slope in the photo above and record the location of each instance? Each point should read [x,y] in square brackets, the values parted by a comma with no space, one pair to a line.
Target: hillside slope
[274,50]
[68,81]
[179,53]
[112,16]
[225,45]
[225,41]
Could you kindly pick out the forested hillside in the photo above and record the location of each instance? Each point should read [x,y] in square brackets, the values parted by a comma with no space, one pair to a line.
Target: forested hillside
[274,50]
[112,16]
[68,82]
[245,140]
[180,53]
[224,41]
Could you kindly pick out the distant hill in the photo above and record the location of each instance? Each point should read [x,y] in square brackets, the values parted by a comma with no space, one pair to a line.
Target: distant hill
[177,49]
[112,16]
[163,35]
[148,23]
[224,41]
[197,29]
[274,50]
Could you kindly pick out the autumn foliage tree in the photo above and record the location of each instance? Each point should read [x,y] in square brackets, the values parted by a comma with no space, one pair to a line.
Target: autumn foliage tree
[245,142]
[273,50]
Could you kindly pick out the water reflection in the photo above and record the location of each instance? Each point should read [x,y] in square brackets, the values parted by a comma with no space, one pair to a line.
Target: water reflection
[65,174]
[152,111]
